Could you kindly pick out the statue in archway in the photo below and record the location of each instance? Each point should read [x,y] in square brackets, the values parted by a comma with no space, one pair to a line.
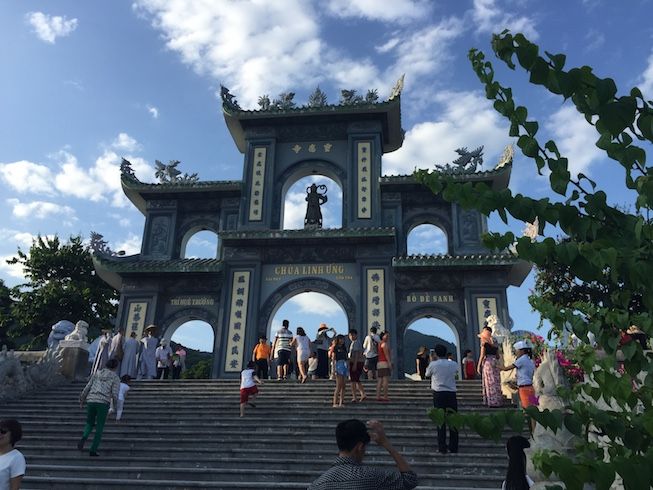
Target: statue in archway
[315,197]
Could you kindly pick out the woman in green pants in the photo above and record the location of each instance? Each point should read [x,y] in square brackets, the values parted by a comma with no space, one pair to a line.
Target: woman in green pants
[98,393]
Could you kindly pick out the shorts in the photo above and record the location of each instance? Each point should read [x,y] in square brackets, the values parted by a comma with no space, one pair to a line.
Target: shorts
[370,363]
[341,368]
[383,372]
[245,393]
[527,396]
[283,357]
[355,373]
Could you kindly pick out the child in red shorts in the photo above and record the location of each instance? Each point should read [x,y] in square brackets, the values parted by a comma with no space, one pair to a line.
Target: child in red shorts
[248,389]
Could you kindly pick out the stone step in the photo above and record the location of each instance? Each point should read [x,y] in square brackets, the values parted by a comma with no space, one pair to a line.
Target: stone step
[214,475]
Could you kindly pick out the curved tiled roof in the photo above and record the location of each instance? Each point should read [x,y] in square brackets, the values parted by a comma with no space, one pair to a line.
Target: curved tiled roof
[455,260]
[499,176]
[308,233]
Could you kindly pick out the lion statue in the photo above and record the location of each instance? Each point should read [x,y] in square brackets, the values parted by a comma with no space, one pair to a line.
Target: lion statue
[80,333]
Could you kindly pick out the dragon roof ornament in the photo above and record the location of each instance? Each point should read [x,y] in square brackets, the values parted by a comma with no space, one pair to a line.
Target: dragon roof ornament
[169,174]
[506,157]
[126,169]
[467,163]
[101,247]
[398,87]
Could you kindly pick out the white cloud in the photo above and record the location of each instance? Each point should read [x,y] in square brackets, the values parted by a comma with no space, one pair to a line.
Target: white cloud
[39,209]
[594,39]
[646,85]
[311,303]
[25,176]
[489,18]
[73,180]
[426,239]
[396,11]
[154,112]
[576,139]
[48,27]
[126,143]
[466,120]
[131,245]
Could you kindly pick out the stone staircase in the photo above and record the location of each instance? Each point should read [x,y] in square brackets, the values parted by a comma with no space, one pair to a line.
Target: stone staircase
[188,434]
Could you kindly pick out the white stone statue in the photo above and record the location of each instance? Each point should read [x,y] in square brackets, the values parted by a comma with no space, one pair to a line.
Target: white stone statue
[546,380]
[80,333]
[498,330]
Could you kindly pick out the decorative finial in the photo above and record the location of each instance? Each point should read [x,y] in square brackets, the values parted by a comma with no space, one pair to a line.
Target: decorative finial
[532,230]
[228,99]
[284,102]
[100,246]
[506,156]
[318,98]
[126,168]
[399,86]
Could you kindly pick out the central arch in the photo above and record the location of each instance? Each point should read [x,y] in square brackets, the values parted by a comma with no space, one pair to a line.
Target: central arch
[172,322]
[293,288]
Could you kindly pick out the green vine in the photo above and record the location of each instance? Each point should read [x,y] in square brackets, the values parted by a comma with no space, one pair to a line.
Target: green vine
[603,244]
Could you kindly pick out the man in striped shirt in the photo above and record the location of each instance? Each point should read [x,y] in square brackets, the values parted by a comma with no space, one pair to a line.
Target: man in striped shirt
[348,471]
[282,350]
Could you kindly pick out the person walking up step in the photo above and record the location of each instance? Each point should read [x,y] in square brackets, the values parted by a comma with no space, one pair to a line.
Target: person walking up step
[248,389]
[101,389]
[443,383]
[281,348]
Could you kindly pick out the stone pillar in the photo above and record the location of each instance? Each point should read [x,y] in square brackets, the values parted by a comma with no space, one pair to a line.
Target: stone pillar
[74,359]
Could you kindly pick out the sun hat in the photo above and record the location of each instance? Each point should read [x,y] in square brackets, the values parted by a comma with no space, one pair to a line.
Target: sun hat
[521,344]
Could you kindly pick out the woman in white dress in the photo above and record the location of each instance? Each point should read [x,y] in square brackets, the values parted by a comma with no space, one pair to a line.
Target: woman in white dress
[302,343]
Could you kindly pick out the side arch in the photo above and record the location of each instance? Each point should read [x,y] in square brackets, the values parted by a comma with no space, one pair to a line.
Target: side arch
[189,229]
[173,321]
[435,219]
[287,291]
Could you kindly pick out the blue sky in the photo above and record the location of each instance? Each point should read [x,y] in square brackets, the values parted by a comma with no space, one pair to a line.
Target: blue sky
[85,83]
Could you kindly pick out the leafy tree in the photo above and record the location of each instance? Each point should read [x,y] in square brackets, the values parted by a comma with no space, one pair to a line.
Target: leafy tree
[6,320]
[605,246]
[61,285]
[199,370]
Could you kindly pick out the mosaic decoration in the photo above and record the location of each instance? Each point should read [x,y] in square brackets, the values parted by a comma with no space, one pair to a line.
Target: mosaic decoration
[136,318]
[256,190]
[485,307]
[376,299]
[237,322]
[364,157]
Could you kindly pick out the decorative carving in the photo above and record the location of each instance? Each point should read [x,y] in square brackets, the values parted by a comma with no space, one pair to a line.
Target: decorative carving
[372,96]
[315,199]
[284,102]
[58,332]
[101,247]
[349,97]
[506,157]
[228,99]
[398,87]
[161,203]
[264,102]
[317,98]
[168,174]
[126,169]
[468,162]
[470,232]
[159,235]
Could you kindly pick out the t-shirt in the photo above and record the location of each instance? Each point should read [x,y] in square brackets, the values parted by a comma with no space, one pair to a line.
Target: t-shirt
[370,345]
[12,465]
[262,351]
[525,370]
[122,391]
[163,355]
[247,379]
[283,337]
[355,350]
[442,374]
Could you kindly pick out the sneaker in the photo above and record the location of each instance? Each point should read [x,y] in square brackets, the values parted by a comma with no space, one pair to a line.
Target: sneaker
[80,444]
[94,454]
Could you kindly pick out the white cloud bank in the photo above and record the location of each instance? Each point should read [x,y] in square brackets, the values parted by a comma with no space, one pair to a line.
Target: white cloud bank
[98,182]
[396,11]
[489,18]
[39,209]
[646,84]
[49,27]
[312,303]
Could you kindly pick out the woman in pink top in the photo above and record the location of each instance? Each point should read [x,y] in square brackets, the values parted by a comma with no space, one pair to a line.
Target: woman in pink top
[384,368]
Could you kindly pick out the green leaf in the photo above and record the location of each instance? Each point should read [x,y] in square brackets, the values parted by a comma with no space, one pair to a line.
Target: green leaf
[528,145]
[526,53]
[558,60]
[606,89]
[539,72]
[531,127]
[618,115]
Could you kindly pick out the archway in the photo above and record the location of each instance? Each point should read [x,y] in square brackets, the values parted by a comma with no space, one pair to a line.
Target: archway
[308,310]
[428,331]
[293,209]
[427,239]
[199,243]
[193,329]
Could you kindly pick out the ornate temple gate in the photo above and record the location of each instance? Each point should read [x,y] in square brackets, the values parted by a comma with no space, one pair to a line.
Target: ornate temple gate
[363,266]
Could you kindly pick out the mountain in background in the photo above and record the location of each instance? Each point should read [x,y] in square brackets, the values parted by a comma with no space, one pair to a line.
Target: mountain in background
[412,342]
